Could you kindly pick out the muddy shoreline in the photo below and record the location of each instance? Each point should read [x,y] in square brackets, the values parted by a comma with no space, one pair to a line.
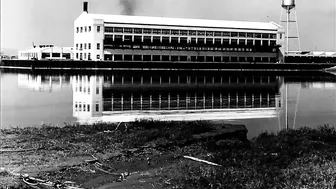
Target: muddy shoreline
[143,151]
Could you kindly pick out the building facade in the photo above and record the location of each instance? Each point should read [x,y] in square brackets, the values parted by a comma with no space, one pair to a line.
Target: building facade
[46,52]
[141,38]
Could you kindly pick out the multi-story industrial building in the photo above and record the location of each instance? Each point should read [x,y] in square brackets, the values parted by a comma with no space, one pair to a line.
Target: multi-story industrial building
[142,38]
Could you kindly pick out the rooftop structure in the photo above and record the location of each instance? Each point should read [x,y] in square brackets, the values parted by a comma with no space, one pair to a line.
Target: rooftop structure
[143,38]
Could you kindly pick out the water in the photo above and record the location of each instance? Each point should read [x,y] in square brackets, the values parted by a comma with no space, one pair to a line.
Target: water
[255,99]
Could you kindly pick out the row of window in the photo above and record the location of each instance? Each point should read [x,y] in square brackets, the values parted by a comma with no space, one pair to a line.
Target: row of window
[189,32]
[182,40]
[81,46]
[85,56]
[86,29]
[130,57]
[79,107]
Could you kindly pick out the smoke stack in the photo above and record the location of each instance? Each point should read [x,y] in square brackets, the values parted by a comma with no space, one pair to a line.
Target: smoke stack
[85,6]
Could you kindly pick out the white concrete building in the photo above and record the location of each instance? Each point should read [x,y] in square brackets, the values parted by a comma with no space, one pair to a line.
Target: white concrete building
[46,52]
[142,38]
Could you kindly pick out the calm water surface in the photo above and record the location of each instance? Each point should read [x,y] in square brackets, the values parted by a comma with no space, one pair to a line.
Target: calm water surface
[257,100]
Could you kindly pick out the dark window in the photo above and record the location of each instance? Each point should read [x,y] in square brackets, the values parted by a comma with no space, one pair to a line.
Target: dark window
[118,30]
[147,39]
[226,42]
[85,28]
[264,59]
[175,32]
[273,43]
[84,58]
[89,28]
[234,59]
[226,34]
[183,32]
[192,32]
[234,42]
[234,34]
[128,39]
[46,56]
[201,41]
[108,29]
[218,34]
[98,28]
[174,40]
[209,58]
[200,58]
[137,39]
[165,40]
[118,38]
[265,43]
[218,41]
[89,45]
[265,35]
[218,59]
[209,33]
[128,57]
[156,40]
[137,58]
[97,107]
[81,29]
[241,42]
[183,58]
[77,29]
[147,31]
[156,31]
[147,57]
[250,35]
[193,41]
[174,58]
[138,30]
[98,56]
[201,33]
[118,57]
[193,58]
[226,59]
[56,54]
[249,59]
[98,46]
[84,45]
[165,57]
[166,32]
[242,59]
[209,41]
[89,55]
[128,30]
[273,36]
[77,46]
[183,40]
[241,34]
[257,35]
[156,57]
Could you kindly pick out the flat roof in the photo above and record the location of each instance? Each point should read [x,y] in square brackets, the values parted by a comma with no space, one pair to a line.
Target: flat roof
[184,22]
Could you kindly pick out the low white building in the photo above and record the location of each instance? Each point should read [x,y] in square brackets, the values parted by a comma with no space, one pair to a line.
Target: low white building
[46,52]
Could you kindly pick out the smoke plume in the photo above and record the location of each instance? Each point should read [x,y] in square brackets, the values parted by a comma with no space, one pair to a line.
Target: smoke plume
[128,7]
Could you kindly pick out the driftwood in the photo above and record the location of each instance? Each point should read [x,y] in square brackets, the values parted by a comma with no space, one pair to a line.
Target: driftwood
[201,160]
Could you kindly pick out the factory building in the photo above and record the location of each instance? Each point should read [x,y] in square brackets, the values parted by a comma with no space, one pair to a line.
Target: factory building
[46,52]
[158,39]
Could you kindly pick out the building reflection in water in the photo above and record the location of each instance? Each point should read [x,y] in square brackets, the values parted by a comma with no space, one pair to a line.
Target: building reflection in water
[127,97]
[42,83]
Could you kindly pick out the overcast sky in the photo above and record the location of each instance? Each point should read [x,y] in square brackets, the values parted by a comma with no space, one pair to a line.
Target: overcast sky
[51,21]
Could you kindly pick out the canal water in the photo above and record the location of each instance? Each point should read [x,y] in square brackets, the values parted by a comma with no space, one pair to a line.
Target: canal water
[259,100]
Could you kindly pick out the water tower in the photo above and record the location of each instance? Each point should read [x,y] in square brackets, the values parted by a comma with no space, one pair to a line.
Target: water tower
[289,5]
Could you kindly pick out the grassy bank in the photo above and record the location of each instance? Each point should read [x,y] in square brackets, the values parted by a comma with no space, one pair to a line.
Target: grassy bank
[153,152]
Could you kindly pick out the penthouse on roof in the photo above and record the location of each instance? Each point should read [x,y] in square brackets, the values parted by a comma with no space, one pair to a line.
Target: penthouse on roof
[143,38]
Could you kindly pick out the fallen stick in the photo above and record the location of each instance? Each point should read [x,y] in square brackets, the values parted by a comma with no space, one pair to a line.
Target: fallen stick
[201,160]
[18,150]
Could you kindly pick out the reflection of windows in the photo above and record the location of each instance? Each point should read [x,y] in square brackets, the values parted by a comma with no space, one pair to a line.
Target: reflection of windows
[97,90]
[89,90]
